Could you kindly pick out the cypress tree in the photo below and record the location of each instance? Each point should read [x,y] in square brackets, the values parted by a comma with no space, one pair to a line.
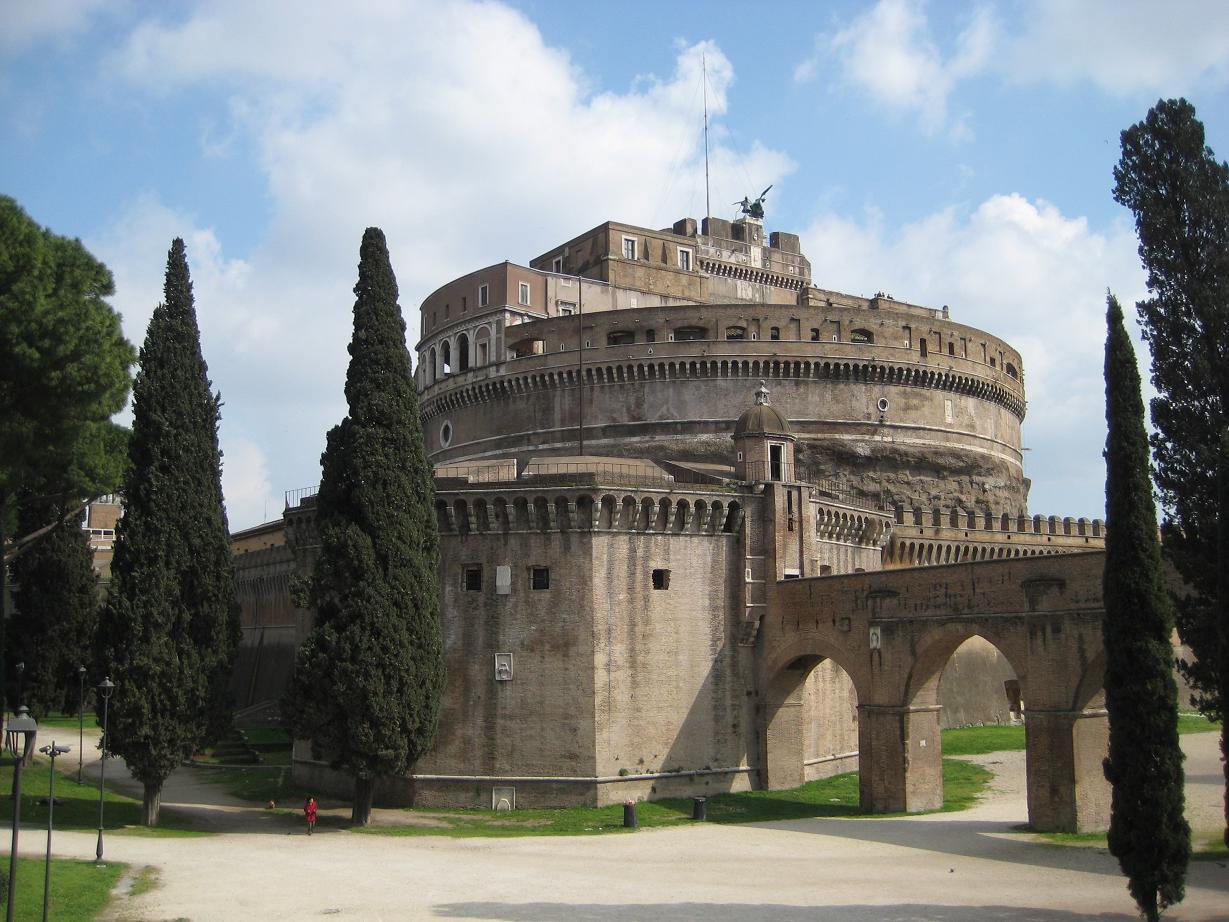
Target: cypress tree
[168,632]
[368,679]
[1179,195]
[56,602]
[1148,831]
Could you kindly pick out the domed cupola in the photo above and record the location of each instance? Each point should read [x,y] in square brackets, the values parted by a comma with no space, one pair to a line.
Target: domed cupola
[764,442]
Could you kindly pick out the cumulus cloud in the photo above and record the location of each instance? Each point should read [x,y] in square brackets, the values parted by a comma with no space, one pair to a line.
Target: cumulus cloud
[453,126]
[889,53]
[1123,46]
[1021,270]
[26,24]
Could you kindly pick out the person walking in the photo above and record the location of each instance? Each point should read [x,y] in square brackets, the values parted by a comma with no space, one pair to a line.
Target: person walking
[309,811]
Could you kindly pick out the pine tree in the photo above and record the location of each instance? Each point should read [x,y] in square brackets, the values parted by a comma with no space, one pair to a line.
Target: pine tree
[56,608]
[368,680]
[169,630]
[1179,195]
[1148,831]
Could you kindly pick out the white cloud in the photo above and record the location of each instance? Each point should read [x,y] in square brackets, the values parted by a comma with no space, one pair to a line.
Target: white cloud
[1023,271]
[245,483]
[1123,46]
[452,126]
[26,23]
[888,52]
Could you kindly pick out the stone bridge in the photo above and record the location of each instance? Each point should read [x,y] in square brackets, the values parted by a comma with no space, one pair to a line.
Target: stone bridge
[893,632]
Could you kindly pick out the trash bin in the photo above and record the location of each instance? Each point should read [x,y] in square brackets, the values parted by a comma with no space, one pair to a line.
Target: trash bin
[699,808]
[629,814]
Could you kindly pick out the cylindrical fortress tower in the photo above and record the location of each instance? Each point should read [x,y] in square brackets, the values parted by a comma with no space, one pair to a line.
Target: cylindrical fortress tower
[895,400]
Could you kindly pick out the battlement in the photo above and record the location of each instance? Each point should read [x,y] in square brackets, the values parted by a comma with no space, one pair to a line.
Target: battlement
[925,537]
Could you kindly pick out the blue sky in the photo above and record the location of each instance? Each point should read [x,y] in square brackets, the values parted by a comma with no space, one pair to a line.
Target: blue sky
[947,153]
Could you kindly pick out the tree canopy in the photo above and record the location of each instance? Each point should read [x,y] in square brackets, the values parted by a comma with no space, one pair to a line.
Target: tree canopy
[169,630]
[1148,832]
[368,679]
[1179,193]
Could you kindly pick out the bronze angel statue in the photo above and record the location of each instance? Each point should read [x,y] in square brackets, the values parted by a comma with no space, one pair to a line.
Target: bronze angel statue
[753,209]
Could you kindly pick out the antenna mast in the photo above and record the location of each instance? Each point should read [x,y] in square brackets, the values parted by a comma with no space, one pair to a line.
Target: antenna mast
[708,208]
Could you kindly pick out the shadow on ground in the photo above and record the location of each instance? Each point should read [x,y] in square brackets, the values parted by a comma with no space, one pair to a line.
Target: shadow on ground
[742,912]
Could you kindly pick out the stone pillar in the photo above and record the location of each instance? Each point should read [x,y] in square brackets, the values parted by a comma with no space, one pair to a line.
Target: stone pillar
[785,742]
[900,759]
[1067,790]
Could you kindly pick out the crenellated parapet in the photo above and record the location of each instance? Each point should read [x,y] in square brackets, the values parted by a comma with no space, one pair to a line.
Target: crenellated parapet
[938,535]
[520,510]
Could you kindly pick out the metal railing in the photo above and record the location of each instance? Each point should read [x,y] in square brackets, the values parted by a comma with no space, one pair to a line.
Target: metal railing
[826,488]
[302,496]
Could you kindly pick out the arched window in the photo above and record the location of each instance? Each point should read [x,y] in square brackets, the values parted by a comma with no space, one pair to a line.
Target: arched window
[435,369]
[774,333]
[1011,370]
[620,338]
[735,332]
[814,334]
[445,358]
[861,336]
[463,353]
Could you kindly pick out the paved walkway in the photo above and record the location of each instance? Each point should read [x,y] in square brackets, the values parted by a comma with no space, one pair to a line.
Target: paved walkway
[961,867]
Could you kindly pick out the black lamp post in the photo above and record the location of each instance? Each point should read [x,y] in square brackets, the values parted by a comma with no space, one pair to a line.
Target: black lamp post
[25,726]
[20,669]
[53,750]
[80,720]
[104,688]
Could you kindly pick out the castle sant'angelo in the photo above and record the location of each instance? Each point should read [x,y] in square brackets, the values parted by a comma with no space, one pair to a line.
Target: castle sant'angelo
[706,527]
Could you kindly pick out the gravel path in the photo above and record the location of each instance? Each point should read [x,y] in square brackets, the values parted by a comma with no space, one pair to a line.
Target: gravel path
[960,867]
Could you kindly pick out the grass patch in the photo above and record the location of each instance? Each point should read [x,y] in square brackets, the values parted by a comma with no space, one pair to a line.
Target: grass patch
[1212,848]
[69,722]
[1196,723]
[829,797]
[148,880]
[258,785]
[80,890]
[976,741]
[77,804]
[258,737]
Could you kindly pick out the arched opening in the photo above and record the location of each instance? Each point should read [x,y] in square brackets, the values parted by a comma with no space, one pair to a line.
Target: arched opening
[690,334]
[445,358]
[735,332]
[620,338]
[482,346]
[861,336]
[434,366]
[810,725]
[463,353]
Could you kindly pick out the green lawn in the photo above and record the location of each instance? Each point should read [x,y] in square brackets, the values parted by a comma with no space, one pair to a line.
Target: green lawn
[973,741]
[80,890]
[77,804]
[830,797]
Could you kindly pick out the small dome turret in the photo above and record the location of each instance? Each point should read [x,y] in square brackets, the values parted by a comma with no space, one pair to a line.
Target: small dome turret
[761,419]
[763,442]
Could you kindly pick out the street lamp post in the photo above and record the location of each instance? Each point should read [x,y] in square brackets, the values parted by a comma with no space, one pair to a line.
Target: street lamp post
[24,725]
[53,750]
[104,689]
[80,720]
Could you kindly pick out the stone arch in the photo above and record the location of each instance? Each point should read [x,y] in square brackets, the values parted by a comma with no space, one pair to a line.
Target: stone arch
[463,352]
[700,516]
[795,714]
[445,358]
[584,512]
[682,516]
[716,517]
[733,519]
[563,513]
[460,510]
[606,515]
[627,513]
[433,365]
[482,516]
[541,514]
[645,519]
[520,513]
[662,520]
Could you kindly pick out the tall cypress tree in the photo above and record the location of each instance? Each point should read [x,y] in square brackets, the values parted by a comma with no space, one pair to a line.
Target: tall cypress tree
[368,680]
[168,632]
[1148,831]
[1179,194]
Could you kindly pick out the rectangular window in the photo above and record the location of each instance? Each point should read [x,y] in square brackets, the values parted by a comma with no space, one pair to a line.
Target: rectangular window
[661,579]
[629,247]
[556,264]
[774,333]
[566,308]
[447,311]
[539,577]
[484,295]
[650,336]
[524,293]
[684,259]
[464,303]
[471,579]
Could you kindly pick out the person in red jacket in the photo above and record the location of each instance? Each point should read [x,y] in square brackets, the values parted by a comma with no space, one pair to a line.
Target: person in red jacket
[309,811]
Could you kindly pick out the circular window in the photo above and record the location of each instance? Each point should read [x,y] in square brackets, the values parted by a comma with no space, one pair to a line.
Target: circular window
[446,434]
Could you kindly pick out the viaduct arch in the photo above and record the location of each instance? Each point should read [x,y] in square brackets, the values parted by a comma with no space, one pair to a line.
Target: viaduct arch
[893,632]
